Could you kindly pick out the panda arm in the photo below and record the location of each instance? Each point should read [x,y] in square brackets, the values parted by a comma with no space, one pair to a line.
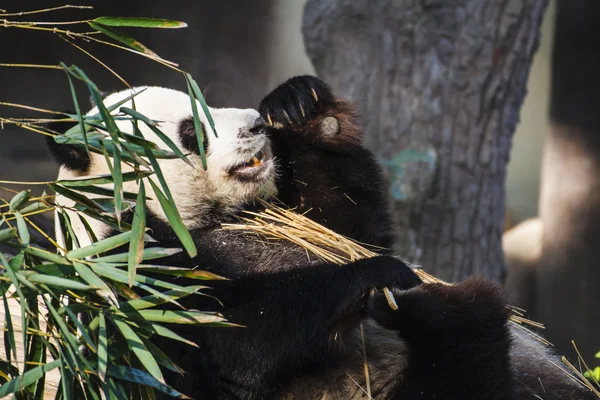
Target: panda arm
[291,320]
[457,337]
[323,167]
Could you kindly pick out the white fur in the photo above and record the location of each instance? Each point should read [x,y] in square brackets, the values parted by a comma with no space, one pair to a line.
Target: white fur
[191,187]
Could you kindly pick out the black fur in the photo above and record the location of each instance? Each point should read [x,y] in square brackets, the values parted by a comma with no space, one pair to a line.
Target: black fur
[69,156]
[187,135]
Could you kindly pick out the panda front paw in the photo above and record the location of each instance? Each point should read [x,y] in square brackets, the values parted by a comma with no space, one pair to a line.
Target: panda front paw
[298,100]
[473,311]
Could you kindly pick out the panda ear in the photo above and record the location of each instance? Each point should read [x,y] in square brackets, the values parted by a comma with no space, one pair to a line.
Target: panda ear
[67,155]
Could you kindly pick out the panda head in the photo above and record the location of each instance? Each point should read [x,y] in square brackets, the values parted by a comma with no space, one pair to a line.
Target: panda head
[240,167]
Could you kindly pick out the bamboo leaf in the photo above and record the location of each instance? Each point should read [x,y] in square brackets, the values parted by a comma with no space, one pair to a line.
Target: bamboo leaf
[7,234]
[94,281]
[33,207]
[77,109]
[135,22]
[102,347]
[78,198]
[176,317]
[101,179]
[136,344]
[162,331]
[57,281]
[22,228]
[143,378]
[181,272]
[19,200]
[150,253]
[198,95]
[151,124]
[46,255]
[27,378]
[175,221]
[153,300]
[122,38]
[138,229]
[197,126]
[101,246]
[9,332]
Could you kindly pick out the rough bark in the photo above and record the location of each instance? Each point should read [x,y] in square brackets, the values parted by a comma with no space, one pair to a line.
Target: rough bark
[568,276]
[439,85]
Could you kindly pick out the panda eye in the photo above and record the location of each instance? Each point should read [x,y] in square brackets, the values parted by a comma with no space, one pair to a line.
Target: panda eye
[187,136]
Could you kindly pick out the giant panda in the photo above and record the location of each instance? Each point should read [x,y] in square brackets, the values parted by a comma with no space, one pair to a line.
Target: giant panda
[302,316]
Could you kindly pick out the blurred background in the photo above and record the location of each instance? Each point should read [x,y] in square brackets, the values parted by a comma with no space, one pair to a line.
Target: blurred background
[239,50]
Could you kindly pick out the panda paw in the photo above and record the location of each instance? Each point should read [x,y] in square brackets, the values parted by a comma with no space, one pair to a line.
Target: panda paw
[297,101]
[471,311]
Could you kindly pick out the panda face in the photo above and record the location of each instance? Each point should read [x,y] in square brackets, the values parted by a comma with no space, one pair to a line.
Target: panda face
[240,167]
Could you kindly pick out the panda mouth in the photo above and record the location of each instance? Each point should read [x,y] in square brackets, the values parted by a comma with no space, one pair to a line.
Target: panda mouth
[251,169]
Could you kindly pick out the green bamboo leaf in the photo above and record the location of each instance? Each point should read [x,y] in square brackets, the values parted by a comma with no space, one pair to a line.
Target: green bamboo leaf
[54,269]
[197,126]
[176,317]
[34,207]
[198,95]
[27,378]
[181,272]
[22,228]
[175,221]
[140,282]
[9,332]
[153,300]
[84,330]
[107,219]
[151,124]
[101,246]
[57,281]
[71,240]
[19,200]
[102,347]
[76,197]
[142,378]
[161,331]
[139,349]
[138,229]
[77,108]
[113,390]
[7,234]
[118,177]
[162,358]
[122,38]
[104,192]
[101,179]
[46,255]
[76,359]
[108,119]
[150,253]
[94,281]
[135,22]
[10,271]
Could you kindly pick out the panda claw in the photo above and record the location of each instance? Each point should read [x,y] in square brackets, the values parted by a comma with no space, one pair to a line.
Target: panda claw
[302,110]
[288,117]
[314,94]
[269,120]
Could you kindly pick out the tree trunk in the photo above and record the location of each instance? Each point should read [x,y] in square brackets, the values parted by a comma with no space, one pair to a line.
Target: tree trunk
[568,276]
[439,85]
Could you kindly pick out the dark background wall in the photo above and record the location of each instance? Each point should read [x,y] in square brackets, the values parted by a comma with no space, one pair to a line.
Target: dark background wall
[228,47]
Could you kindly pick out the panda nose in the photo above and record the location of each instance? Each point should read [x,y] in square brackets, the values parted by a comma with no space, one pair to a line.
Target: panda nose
[258,127]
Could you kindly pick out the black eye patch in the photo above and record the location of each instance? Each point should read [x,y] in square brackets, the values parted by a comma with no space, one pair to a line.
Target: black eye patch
[187,135]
